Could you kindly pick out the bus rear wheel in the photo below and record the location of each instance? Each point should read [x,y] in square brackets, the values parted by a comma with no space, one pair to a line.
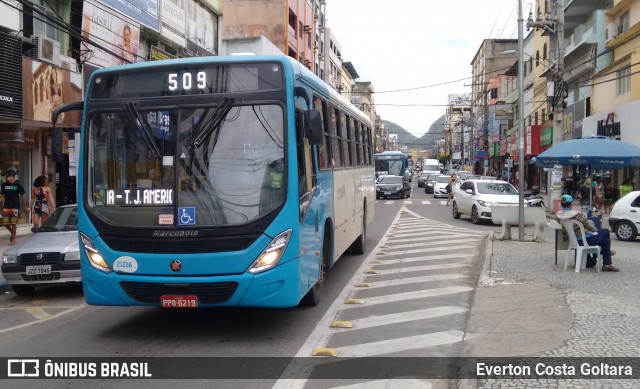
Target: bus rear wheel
[314,295]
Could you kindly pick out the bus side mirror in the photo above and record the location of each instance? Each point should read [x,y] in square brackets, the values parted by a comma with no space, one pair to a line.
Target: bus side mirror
[56,134]
[313,126]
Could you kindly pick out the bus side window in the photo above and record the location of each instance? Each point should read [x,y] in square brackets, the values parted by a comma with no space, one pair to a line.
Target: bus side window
[323,148]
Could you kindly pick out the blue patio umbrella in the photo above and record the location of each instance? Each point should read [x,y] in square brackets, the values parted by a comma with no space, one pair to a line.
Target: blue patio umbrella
[599,152]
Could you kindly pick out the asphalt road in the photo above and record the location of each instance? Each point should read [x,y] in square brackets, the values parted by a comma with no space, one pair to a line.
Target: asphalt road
[427,265]
[55,322]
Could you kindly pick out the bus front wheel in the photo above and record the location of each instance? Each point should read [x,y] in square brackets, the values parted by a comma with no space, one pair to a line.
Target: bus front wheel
[314,295]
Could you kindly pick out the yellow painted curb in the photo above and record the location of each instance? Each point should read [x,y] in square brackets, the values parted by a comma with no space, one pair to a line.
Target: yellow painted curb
[371,271]
[363,284]
[354,301]
[341,324]
[325,352]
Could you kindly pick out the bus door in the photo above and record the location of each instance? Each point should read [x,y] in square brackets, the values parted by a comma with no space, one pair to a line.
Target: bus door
[307,182]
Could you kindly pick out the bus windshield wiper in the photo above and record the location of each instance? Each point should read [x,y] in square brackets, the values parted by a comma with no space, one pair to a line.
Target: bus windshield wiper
[206,129]
[144,128]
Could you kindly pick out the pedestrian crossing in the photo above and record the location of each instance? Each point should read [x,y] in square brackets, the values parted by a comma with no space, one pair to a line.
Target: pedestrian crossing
[410,298]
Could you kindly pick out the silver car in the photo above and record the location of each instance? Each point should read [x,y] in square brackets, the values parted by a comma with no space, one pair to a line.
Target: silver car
[50,256]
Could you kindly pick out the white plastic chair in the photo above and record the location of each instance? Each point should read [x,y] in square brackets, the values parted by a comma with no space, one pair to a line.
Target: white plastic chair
[580,251]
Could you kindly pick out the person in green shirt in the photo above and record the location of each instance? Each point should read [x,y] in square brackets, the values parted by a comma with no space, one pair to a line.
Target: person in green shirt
[626,187]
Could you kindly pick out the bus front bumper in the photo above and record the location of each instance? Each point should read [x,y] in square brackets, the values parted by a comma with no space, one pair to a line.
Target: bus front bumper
[277,287]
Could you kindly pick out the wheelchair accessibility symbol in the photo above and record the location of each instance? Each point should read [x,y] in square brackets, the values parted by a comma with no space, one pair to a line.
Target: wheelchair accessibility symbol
[187,216]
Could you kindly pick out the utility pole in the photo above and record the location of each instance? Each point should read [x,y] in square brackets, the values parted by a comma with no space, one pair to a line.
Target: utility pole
[555,27]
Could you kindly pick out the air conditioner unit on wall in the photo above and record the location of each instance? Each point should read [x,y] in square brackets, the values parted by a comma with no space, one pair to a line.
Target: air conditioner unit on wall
[68,63]
[46,49]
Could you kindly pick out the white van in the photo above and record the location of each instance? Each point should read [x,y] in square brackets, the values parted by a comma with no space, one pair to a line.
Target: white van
[430,166]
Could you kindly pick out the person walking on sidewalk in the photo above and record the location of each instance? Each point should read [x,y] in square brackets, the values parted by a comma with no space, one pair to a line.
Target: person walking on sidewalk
[595,236]
[10,195]
[42,201]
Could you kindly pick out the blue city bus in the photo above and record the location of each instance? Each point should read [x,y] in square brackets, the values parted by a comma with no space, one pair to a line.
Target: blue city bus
[218,181]
[393,163]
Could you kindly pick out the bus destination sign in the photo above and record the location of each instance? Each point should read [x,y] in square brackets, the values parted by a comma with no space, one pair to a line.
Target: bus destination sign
[139,197]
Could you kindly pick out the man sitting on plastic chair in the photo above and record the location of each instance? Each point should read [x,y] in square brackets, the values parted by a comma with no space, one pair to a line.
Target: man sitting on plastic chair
[595,236]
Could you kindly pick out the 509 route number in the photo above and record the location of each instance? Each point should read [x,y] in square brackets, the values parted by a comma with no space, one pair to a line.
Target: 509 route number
[187,81]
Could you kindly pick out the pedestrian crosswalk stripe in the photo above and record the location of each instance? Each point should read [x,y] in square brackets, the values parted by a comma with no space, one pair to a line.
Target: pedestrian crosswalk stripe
[408,202]
[395,318]
[396,383]
[425,258]
[427,244]
[404,296]
[434,237]
[414,280]
[389,202]
[401,344]
[427,249]
[418,268]
[434,227]
[428,232]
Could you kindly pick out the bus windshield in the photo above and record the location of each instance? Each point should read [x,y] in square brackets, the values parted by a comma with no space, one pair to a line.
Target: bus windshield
[201,166]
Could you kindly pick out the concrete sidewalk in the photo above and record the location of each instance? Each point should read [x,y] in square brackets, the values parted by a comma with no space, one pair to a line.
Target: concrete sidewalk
[21,231]
[526,306]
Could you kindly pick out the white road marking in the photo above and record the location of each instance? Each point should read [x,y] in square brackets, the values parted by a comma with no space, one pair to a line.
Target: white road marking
[395,318]
[428,250]
[320,336]
[466,237]
[418,294]
[420,259]
[37,312]
[57,315]
[417,268]
[408,202]
[396,383]
[434,229]
[427,244]
[401,344]
[389,202]
[414,280]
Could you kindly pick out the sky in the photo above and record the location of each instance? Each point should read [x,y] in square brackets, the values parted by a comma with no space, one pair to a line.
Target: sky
[404,44]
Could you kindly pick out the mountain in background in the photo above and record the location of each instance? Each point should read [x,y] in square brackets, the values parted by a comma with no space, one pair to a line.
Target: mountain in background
[405,138]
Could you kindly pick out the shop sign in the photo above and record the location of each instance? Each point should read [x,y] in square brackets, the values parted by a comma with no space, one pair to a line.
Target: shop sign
[503,146]
[146,12]
[6,100]
[546,136]
[157,54]
[609,127]
[572,121]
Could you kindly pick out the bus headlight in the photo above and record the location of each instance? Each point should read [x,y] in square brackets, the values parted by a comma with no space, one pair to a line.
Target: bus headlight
[95,259]
[272,254]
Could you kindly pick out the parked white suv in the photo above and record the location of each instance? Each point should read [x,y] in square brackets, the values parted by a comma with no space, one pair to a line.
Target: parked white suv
[625,217]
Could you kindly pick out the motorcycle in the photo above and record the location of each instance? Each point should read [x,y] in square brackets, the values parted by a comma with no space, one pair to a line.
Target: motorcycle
[533,198]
